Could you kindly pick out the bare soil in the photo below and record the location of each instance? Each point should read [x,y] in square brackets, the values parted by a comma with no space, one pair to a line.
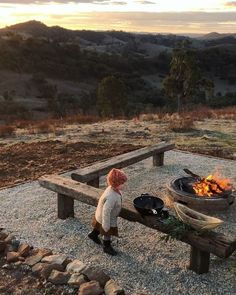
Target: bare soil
[28,161]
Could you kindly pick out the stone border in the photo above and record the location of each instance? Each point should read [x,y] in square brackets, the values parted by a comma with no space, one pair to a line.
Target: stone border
[58,268]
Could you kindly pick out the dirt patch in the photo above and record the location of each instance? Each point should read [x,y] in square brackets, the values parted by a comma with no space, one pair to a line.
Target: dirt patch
[16,280]
[28,161]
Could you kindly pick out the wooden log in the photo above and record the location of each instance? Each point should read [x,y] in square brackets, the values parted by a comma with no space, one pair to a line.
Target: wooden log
[158,159]
[65,206]
[103,167]
[211,242]
[94,182]
[199,261]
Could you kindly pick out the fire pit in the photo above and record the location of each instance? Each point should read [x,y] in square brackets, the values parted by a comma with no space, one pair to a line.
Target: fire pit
[202,194]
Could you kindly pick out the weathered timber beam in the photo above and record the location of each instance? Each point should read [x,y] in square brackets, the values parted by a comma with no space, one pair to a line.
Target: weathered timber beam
[211,242]
[65,206]
[158,159]
[199,261]
[102,167]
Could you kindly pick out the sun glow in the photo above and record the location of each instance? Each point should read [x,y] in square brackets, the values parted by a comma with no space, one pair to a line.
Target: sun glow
[131,15]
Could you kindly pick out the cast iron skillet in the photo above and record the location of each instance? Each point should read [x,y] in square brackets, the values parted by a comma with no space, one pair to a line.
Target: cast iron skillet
[150,205]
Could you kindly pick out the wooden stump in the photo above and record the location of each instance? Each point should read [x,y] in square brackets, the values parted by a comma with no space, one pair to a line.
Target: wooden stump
[65,206]
[94,182]
[199,261]
[158,159]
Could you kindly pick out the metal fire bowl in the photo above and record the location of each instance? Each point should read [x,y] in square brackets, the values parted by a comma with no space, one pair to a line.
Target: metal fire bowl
[205,203]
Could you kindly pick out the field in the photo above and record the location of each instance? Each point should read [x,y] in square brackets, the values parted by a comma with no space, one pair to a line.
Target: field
[31,149]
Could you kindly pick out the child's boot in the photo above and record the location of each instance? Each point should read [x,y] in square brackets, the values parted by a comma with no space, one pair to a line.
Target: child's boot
[107,248]
[94,236]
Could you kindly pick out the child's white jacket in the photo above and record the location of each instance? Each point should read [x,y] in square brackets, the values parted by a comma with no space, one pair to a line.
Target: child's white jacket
[108,209]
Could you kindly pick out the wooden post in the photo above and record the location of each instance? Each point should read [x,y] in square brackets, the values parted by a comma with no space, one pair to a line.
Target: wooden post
[65,206]
[94,182]
[158,159]
[199,260]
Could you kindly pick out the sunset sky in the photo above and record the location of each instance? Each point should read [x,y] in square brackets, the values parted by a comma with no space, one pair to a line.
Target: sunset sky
[161,16]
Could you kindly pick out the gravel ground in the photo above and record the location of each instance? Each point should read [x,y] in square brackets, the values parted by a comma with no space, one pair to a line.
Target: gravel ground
[145,264]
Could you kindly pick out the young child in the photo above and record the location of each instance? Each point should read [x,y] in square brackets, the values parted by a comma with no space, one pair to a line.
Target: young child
[108,210]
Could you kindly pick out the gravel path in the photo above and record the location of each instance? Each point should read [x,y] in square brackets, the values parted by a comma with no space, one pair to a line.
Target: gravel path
[145,264]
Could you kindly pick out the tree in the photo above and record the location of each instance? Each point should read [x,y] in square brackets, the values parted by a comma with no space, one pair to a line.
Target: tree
[184,80]
[111,97]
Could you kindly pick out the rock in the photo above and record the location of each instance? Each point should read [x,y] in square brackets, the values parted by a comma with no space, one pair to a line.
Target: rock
[44,269]
[45,252]
[15,244]
[2,236]
[95,273]
[9,248]
[59,278]
[21,258]
[90,288]
[6,266]
[37,268]
[9,238]
[41,251]
[57,259]
[76,280]
[111,288]
[48,268]
[17,263]
[2,246]
[75,266]
[12,256]
[24,250]
[32,260]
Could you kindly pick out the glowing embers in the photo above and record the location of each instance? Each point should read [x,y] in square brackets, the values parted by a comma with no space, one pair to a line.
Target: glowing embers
[212,185]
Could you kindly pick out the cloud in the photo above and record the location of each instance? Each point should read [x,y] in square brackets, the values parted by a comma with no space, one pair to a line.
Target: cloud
[184,22]
[162,22]
[145,2]
[48,1]
[118,3]
[230,4]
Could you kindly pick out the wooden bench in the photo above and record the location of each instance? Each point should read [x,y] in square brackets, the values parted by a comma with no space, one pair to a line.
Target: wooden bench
[91,174]
[69,190]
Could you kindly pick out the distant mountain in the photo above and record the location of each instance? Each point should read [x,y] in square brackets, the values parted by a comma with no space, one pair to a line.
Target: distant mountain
[215,35]
[38,29]
[117,42]
[32,27]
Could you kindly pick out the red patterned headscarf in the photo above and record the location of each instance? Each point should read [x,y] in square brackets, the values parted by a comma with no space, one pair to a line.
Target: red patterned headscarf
[116,177]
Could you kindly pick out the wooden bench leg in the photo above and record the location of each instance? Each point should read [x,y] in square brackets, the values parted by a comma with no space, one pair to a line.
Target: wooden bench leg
[158,159]
[94,182]
[199,261]
[65,206]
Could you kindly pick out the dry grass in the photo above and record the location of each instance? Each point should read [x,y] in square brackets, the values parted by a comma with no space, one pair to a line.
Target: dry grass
[148,117]
[81,119]
[41,127]
[183,124]
[51,125]
[198,114]
[202,113]
[6,130]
